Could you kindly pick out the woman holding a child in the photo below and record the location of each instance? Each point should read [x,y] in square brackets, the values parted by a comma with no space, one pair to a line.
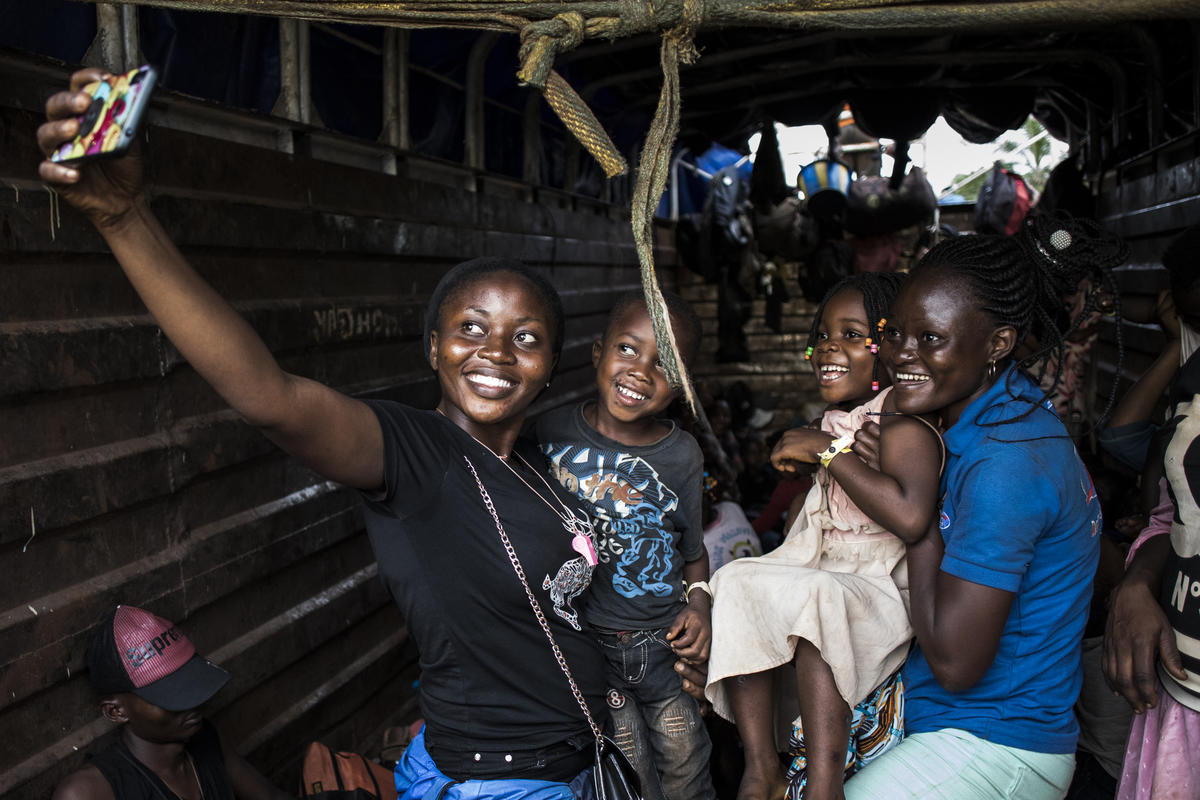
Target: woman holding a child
[1000,586]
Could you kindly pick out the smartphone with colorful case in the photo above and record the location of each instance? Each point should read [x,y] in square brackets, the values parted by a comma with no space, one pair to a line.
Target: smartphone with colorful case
[112,121]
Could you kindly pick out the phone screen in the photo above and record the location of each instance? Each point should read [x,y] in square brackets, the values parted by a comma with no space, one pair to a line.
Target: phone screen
[109,124]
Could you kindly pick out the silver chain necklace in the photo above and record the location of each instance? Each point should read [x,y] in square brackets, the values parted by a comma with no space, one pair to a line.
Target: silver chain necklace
[577,524]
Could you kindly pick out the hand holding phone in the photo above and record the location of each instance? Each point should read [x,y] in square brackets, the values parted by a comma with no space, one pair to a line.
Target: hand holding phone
[113,118]
[104,189]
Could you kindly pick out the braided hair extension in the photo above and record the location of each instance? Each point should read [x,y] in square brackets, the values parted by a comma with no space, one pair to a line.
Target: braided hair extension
[1069,250]
[1022,281]
[878,289]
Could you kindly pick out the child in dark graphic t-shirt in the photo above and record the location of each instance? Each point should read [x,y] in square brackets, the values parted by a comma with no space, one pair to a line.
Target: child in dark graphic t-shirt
[649,602]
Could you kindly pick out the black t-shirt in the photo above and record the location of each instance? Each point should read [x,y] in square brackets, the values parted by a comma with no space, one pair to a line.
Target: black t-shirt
[489,680]
[130,779]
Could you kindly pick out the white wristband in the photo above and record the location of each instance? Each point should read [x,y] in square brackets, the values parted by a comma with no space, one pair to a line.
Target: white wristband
[702,586]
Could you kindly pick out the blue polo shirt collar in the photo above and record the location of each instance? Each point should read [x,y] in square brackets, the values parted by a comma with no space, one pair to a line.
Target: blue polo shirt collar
[989,406]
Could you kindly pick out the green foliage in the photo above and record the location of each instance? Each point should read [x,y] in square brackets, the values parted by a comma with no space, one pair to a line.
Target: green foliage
[1032,163]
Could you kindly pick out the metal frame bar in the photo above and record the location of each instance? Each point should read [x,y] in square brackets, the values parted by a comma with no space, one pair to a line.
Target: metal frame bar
[117,46]
[474,129]
[397,88]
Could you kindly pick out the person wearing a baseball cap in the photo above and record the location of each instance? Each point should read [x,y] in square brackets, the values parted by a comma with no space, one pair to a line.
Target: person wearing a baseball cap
[152,682]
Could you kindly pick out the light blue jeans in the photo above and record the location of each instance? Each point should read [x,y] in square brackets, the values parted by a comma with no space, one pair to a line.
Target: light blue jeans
[952,764]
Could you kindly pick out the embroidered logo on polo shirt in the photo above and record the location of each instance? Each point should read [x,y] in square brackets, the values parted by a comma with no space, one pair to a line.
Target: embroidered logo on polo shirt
[1089,489]
[943,521]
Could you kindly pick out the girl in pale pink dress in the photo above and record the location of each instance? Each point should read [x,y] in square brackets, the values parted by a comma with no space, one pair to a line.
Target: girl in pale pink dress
[832,599]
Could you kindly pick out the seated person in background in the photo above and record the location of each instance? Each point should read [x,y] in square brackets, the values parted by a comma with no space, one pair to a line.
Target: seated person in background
[720,419]
[727,533]
[758,479]
[152,683]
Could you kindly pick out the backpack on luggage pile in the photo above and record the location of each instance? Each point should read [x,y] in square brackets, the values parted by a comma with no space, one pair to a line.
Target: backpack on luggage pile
[1003,202]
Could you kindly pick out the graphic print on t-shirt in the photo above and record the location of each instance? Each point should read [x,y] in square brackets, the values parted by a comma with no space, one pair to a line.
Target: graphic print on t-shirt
[567,584]
[631,503]
[1181,575]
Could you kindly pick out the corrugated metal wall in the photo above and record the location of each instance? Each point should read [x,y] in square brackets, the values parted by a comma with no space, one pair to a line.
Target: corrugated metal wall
[123,478]
[1148,201]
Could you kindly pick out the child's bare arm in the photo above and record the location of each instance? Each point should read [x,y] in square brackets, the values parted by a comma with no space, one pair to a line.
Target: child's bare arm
[902,494]
[691,632]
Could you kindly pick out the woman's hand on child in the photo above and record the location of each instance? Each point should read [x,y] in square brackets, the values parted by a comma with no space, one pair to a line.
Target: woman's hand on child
[866,444]
[695,678]
[797,447]
[690,634]
[104,190]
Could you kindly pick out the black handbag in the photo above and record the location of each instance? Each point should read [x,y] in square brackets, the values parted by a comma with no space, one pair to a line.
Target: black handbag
[613,777]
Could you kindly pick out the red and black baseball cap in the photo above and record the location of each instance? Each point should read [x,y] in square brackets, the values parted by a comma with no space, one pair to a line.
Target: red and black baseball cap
[135,651]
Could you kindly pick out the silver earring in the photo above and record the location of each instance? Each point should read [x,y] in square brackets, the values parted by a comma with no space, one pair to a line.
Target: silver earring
[547,384]
[991,370]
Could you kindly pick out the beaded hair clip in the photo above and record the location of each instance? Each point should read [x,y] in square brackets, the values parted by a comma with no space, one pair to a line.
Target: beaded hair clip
[875,349]
[871,345]
[1060,240]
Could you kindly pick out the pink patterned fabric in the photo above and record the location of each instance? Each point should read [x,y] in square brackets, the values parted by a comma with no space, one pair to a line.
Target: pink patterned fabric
[1162,759]
[1160,521]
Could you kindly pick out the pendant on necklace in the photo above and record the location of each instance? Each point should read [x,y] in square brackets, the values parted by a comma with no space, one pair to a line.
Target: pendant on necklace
[581,541]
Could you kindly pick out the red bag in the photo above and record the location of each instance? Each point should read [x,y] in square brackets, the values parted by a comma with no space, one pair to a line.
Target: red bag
[344,776]
[1004,200]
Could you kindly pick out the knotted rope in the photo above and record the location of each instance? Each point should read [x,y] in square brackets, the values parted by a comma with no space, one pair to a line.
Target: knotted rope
[540,43]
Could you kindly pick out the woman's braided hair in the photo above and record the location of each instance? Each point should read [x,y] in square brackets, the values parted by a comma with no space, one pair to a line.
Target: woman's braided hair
[1023,280]
[878,290]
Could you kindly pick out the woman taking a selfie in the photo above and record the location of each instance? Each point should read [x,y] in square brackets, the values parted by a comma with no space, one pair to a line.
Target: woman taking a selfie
[439,485]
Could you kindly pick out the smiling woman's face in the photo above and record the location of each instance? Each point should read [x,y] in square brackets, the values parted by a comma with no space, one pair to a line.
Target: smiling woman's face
[937,345]
[492,351]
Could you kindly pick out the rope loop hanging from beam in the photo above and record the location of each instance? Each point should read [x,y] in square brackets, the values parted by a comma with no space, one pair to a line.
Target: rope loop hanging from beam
[541,42]
[654,166]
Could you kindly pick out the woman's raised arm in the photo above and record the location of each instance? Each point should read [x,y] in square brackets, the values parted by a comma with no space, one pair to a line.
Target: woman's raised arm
[330,432]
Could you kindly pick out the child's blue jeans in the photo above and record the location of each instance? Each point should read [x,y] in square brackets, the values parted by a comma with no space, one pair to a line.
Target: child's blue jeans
[656,724]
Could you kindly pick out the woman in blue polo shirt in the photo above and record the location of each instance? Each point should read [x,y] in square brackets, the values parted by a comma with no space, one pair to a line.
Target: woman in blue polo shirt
[1000,591]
